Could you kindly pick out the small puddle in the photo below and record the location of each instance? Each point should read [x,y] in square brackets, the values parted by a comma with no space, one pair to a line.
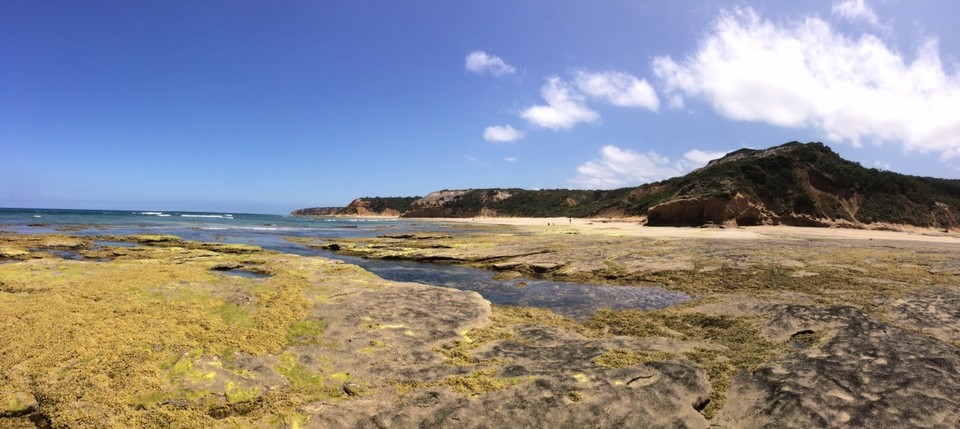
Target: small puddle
[100,244]
[242,273]
[62,254]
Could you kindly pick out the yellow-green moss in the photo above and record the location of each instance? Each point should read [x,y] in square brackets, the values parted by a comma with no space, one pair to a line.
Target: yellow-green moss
[744,348]
[154,238]
[290,421]
[232,314]
[301,377]
[138,337]
[374,346]
[624,358]
[184,369]
[339,377]
[305,332]
[236,394]
[504,321]
[479,382]
[472,384]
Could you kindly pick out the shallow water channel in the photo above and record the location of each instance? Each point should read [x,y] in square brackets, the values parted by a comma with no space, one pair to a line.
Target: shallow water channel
[575,300]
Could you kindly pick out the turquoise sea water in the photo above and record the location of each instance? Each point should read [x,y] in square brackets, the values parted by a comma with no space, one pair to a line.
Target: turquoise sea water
[268,231]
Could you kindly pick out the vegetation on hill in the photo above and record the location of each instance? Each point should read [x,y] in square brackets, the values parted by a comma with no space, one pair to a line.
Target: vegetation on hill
[795,183]
[812,180]
[362,206]
[381,204]
[317,211]
[524,203]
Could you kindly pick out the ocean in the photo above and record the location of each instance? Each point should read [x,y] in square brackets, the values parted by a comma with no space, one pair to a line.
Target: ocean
[574,300]
[264,230]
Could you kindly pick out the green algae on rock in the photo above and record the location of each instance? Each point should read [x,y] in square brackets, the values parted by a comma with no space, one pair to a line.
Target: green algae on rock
[154,337]
[765,305]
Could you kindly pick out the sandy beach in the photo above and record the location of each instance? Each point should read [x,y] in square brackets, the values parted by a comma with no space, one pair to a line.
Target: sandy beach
[635,227]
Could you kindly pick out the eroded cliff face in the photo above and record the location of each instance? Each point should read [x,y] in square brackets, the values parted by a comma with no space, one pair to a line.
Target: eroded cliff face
[363,207]
[436,204]
[366,206]
[740,210]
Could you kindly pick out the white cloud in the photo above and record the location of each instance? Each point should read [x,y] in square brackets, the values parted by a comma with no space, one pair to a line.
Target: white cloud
[805,75]
[856,10]
[616,167]
[676,102]
[619,89]
[619,167]
[564,107]
[699,158]
[501,134]
[481,62]
[511,159]
[475,160]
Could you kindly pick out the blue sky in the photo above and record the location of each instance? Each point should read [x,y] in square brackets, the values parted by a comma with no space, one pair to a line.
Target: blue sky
[271,106]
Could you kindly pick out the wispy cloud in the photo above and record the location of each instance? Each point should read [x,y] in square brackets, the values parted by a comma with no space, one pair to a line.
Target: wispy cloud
[475,160]
[856,10]
[806,75]
[481,62]
[697,157]
[619,89]
[501,134]
[511,159]
[564,109]
[567,100]
[616,167]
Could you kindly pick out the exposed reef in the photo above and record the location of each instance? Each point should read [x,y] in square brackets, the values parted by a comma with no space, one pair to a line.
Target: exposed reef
[786,331]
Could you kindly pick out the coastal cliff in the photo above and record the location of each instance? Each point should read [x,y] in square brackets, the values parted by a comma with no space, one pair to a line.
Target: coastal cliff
[365,206]
[803,185]
[800,184]
[317,211]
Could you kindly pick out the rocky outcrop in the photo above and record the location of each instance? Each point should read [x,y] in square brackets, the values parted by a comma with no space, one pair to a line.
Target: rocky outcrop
[366,206]
[795,332]
[739,210]
[317,211]
[435,204]
[896,377]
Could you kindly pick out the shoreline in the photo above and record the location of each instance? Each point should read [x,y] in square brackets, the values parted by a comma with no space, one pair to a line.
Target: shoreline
[633,227]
